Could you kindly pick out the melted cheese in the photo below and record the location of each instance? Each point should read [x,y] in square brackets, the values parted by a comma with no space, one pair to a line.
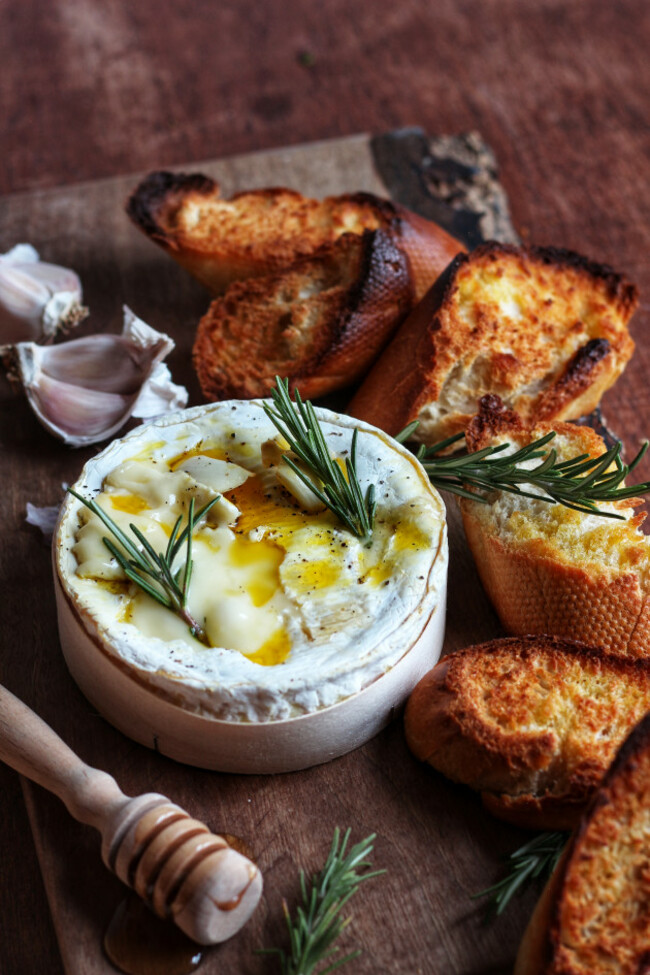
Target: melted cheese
[298,613]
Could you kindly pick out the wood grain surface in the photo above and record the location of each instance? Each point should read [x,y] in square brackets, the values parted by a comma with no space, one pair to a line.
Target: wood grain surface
[91,89]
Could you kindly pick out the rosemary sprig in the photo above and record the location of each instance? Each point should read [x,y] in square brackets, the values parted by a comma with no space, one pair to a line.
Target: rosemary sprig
[153,571]
[317,922]
[580,483]
[536,859]
[338,491]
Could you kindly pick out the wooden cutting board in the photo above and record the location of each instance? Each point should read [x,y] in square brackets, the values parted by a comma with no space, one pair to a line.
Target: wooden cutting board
[434,839]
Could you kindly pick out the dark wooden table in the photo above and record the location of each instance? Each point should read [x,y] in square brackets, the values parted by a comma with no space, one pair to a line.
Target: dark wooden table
[91,89]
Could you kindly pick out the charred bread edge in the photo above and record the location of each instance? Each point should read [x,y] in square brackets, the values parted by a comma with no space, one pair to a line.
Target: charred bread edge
[582,365]
[542,934]
[399,372]
[159,190]
[155,191]
[493,418]
[399,220]
[394,214]
[618,286]
[544,812]
[376,247]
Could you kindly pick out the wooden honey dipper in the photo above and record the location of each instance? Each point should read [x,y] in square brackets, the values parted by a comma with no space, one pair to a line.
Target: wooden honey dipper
[181,869]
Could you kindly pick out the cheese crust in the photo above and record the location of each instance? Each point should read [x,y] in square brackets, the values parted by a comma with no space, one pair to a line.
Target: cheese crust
[348,614]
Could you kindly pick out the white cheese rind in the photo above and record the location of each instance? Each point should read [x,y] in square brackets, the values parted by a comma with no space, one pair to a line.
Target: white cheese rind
[367,630]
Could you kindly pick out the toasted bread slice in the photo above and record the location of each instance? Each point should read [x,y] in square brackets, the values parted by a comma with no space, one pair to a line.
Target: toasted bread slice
[261,231]
[592,918]
[545,329]
[550,569]
[320,323]
[531,722]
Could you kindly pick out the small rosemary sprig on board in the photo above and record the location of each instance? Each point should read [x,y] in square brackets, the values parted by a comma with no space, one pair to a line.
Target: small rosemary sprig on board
[536,859]
[341,493]
[580,483]
[153,571]
[317,922]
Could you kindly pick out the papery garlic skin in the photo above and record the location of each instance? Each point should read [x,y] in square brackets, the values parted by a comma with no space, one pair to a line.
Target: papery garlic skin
[36,299]
[43,518]
[159,395]
[83,391]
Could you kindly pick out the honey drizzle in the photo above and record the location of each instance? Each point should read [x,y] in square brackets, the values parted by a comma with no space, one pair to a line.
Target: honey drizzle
[138,942]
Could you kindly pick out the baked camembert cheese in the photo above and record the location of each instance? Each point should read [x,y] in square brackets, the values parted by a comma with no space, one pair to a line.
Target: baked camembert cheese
[299,614]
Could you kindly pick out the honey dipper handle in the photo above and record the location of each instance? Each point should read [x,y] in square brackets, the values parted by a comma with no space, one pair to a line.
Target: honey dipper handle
[208,888]
[32,748]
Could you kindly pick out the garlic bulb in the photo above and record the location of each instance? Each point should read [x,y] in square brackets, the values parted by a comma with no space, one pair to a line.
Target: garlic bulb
[84,390]
[36,299]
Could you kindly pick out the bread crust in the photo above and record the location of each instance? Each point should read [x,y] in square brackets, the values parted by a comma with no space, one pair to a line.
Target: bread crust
[592,918]
[398,387]
[533,584]
[545,328]
[258,232]
[320,323]
[546,812]
[532,723]
[533,592]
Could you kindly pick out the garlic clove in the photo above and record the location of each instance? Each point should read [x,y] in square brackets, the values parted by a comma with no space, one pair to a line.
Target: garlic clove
[220,475]
[36,298]
[83,391]
[298,489]
[75,413]
[272,454]
[224,512]
[100,362]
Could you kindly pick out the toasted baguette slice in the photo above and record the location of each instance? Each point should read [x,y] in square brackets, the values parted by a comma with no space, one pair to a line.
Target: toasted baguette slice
[261,231]
[320,323]
[545,329]
[531,722]
[592,918]
[549,569]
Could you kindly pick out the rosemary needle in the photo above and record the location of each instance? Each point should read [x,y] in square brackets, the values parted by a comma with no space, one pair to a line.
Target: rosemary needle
[536,859]
[153,571]
[317,922]
[338,491]
[580,483]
